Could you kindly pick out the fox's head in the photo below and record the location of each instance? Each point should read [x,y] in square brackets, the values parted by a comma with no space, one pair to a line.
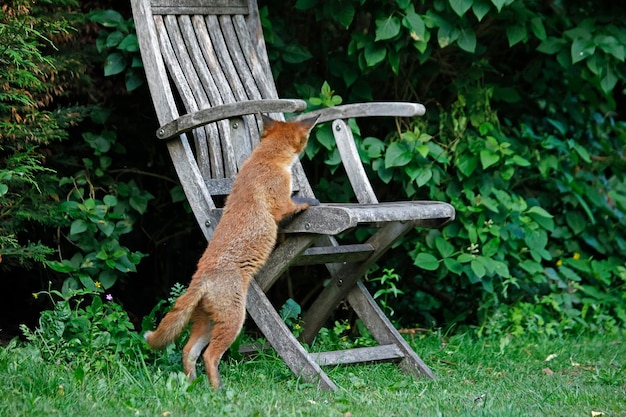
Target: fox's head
[291,134]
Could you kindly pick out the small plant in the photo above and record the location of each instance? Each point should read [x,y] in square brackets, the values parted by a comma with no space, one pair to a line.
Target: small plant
[82,324]
[387,283]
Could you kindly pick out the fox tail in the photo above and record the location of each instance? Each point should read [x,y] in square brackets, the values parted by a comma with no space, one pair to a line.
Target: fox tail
[176,319]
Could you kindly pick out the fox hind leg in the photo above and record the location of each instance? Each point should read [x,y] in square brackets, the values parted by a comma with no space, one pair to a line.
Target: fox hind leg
[223,335]
[200,337]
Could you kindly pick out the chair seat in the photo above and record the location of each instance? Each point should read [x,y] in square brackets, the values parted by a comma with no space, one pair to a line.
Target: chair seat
[333,218]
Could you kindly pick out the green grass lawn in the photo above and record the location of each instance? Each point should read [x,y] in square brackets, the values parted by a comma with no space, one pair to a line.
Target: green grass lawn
[475,377]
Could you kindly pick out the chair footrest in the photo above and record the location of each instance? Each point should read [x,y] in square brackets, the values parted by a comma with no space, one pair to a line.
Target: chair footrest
[330,254]
[357,355]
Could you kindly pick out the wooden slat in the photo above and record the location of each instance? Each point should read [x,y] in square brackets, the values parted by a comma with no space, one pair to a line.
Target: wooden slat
[352,163]
[191,121]
[184,86]
[383,331]
[375,109]
[204,89]
[330,254]
[190,7]
[383,353]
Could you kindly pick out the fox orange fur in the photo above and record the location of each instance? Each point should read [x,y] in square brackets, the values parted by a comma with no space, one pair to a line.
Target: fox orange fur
[243,240]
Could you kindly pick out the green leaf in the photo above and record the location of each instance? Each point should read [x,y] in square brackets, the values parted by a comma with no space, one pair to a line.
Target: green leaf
[397,155]
[467,40]
[609,81]
[539,211]
[444,247]
[114,39]
[551,45]
[461,7]
[133,81]
[480,9]
[426,261]
[467,165]
[453,265]
[536,239]
[582,49]
[478,268]
[374,53]
[414,23]
[129,43]
[491,247]
[343,12]
[295,54]
[290,310]
[387,28]
[3,189]
[499,4]
[424,175]
[575,221]
[107,278]
[107,18]
[516,34]
[538,29]
[114,64]
[488,158]
[78,226]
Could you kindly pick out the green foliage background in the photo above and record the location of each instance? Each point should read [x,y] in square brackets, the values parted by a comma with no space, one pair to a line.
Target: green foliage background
[524,134]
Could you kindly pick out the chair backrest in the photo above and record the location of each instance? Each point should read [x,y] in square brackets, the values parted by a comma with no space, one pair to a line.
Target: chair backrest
[198,54]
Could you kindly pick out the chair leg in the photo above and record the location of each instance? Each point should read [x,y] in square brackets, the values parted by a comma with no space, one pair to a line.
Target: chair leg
[383,331]
[345,276]
[283,341]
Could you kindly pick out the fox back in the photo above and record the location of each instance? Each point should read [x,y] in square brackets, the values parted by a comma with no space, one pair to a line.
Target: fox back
[241,244]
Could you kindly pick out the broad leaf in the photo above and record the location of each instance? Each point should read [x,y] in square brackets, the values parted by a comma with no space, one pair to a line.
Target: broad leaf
[461,7]
[426,261]
[387,28]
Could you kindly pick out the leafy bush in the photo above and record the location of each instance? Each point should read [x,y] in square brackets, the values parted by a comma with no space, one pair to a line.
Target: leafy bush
[522,135]
[100,330]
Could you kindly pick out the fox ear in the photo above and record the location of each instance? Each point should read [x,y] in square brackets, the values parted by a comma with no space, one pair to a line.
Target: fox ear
[267,121]
[309,123]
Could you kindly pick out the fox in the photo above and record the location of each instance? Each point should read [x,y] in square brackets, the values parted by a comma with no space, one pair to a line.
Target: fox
[260,200]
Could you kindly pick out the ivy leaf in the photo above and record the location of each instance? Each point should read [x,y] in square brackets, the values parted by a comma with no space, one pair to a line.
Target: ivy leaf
[461,7]
[387,28]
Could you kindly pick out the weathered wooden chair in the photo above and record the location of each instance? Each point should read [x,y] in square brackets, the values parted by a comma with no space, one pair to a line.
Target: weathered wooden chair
[209,77]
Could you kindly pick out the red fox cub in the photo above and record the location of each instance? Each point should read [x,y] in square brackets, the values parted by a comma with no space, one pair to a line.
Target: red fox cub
[215,301]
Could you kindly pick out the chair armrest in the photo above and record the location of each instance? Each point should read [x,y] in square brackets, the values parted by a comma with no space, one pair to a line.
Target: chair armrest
[225,111]
[348,111]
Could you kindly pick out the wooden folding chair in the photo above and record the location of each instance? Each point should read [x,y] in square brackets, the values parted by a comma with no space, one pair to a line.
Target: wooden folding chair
[209,77]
